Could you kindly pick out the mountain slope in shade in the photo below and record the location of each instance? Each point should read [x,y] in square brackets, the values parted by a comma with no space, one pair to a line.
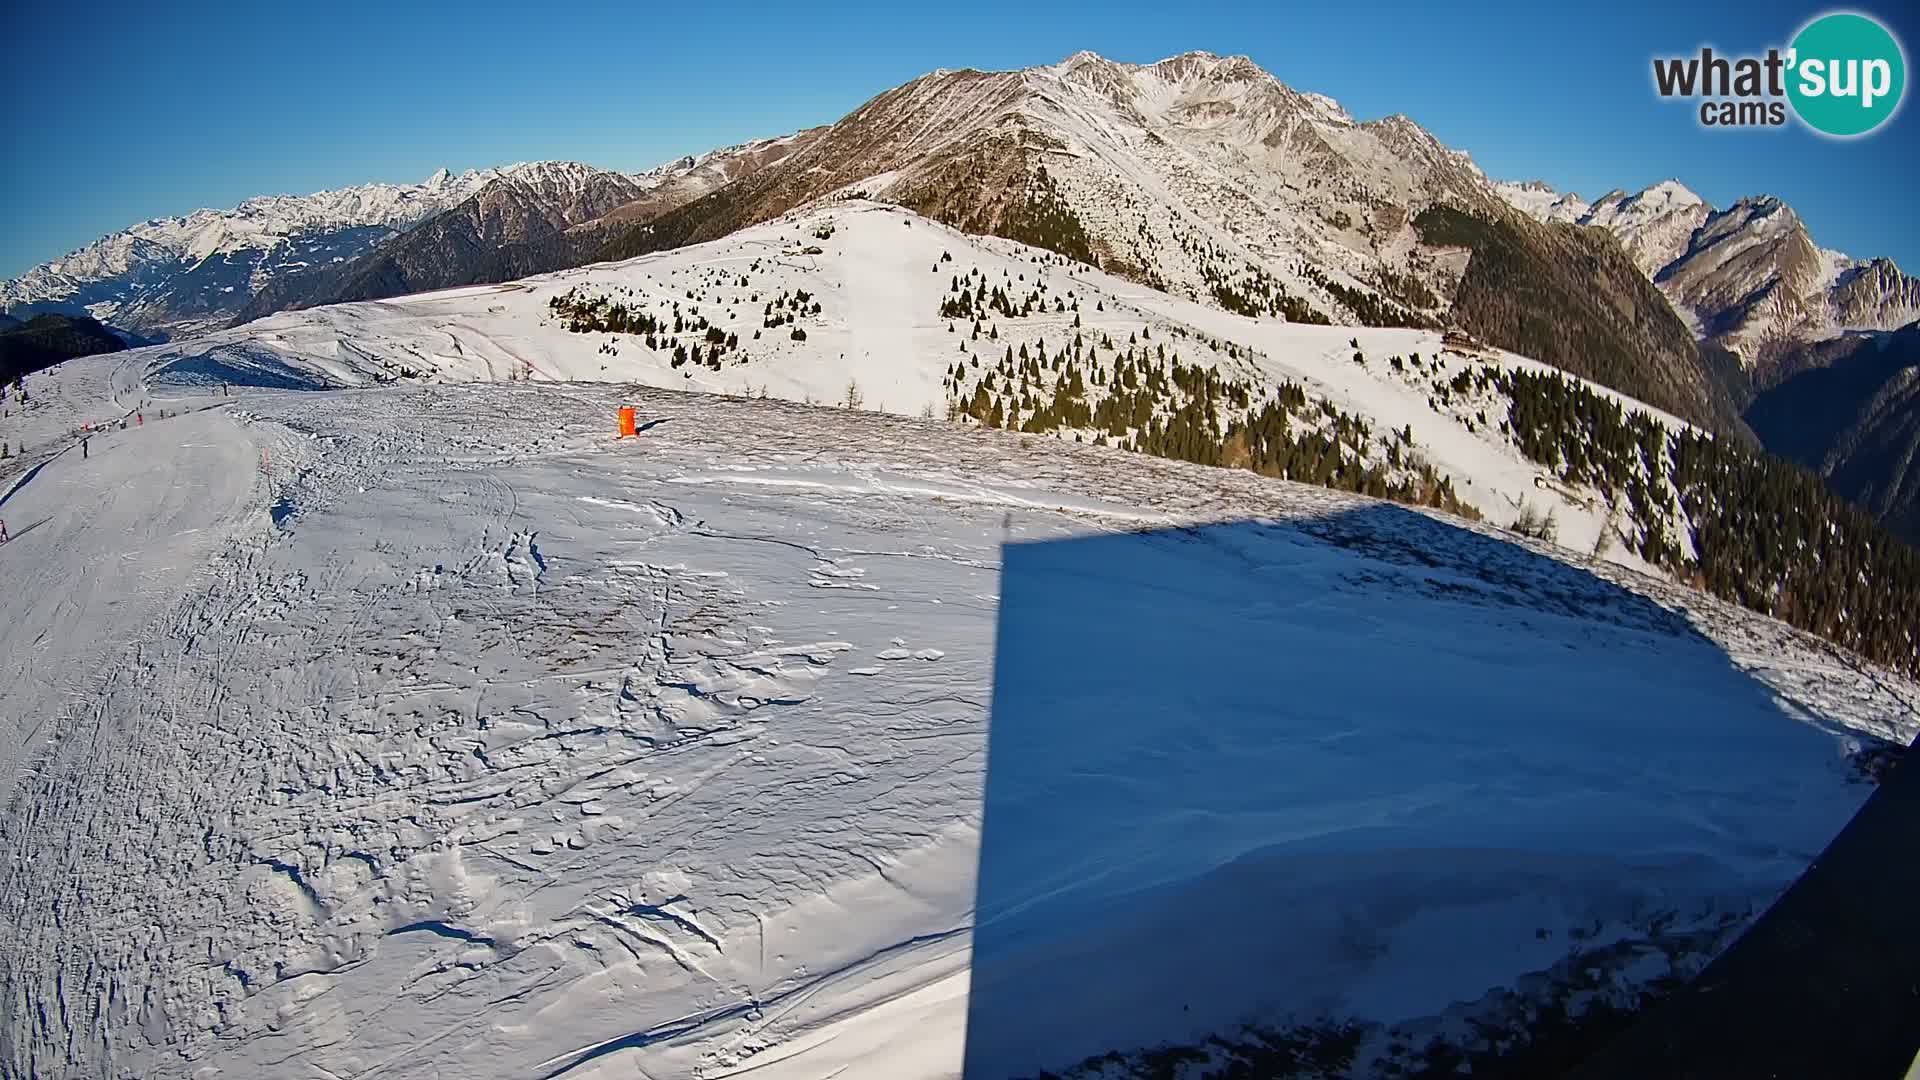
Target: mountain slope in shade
[1570,296]
[47,339]
[1748,278]
[1849,409]
[1794,334]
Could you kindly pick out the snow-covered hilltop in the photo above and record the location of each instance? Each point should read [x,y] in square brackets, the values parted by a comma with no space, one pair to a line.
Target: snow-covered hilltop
[856,297]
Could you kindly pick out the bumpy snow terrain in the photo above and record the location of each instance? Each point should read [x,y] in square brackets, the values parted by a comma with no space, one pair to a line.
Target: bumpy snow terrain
[423,731]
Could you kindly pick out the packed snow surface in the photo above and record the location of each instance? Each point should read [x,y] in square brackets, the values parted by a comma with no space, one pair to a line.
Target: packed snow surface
[427,731]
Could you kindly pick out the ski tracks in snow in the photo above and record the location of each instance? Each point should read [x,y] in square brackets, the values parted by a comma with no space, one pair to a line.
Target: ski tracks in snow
[485,731]
[499,741]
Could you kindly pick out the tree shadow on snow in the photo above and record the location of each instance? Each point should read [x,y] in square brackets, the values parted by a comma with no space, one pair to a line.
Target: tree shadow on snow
[1311,775]
[16,534]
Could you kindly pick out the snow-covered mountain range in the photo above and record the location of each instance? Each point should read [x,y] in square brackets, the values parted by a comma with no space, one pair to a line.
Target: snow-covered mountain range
[1200,176]
[170,275]
[857,293]
[515,224]
[1748,277]
[175,276]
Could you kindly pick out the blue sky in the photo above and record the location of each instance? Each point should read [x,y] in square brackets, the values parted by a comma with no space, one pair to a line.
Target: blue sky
[122,112]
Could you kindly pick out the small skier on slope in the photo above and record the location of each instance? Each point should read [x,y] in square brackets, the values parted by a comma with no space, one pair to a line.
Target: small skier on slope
[3,530]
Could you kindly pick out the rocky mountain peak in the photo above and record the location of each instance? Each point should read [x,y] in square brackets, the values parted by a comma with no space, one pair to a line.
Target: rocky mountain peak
[1670,194]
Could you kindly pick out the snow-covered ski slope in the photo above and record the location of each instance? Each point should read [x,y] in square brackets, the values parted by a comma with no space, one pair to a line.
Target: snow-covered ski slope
[879,277]
[427,731]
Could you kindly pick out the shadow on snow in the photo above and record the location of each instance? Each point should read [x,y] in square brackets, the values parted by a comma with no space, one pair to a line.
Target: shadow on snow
[1353,770]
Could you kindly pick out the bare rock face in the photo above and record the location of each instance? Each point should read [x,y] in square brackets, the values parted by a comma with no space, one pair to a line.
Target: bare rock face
[1873,295]
[1749,272]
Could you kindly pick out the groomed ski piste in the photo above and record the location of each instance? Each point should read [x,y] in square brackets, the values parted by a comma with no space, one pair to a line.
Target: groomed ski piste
[425,729]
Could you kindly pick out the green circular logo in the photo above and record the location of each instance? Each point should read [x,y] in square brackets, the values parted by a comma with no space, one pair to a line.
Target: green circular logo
[1847,74]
